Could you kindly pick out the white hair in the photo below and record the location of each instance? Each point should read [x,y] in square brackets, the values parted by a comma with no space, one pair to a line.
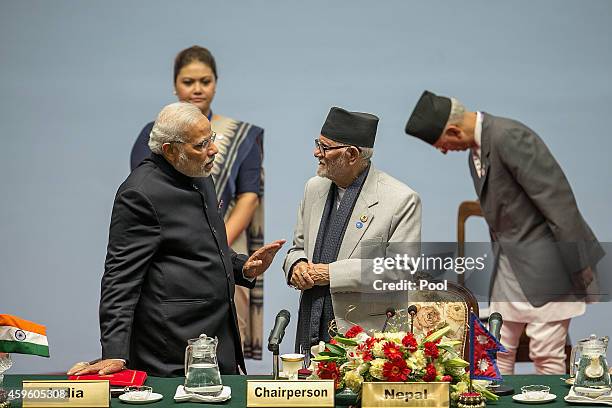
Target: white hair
[172,123]
[366,153]
[457,113]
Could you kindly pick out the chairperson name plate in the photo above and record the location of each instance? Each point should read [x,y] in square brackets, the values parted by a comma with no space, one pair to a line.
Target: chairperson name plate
[290,393]
[397,394]
[67,393]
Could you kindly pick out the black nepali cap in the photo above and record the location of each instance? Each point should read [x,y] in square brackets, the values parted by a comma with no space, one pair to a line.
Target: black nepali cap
[429,117]
[352,128]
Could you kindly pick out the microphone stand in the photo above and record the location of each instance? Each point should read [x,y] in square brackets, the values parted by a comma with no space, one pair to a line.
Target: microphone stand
[389,314]
[496,386]
[499,388]
[412,310]
[276,336]
[275,350]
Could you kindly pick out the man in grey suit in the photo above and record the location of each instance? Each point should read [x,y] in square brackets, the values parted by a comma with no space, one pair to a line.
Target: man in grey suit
[349,203]
[545,251]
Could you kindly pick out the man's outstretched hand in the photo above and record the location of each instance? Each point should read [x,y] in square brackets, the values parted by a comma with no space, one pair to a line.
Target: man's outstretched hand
[261,259]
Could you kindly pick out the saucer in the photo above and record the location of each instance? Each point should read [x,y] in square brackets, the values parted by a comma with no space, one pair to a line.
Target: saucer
[154,397]
[521,398]
[590,392]
[181,395]
[569,381]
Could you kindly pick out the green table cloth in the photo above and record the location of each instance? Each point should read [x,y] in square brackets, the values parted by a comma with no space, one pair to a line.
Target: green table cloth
[167,387]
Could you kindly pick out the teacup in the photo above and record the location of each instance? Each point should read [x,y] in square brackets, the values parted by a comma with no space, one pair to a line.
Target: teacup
[292,363]
[138,392]
[535,392]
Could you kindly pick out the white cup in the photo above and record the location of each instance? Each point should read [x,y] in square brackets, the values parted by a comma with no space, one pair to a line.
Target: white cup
[535,392]
[292,363]
[138,392]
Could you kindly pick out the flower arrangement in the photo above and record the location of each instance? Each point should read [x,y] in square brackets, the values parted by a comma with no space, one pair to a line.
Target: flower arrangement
[355,357]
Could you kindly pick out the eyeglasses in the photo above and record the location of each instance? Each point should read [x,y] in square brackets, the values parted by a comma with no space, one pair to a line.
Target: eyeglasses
[323,148]
[203,145]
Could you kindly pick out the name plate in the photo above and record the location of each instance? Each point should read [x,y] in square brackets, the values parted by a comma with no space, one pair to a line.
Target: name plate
[290,393]
[395,394]
[67,393]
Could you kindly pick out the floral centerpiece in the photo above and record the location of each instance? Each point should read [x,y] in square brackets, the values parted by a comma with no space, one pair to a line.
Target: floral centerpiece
[356,357]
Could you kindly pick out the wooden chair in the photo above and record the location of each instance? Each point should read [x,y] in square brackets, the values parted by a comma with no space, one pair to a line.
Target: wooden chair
[472,208]
[452,308]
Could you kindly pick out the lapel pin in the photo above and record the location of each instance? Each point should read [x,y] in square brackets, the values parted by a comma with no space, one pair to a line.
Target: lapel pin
[363,218]
[359,224]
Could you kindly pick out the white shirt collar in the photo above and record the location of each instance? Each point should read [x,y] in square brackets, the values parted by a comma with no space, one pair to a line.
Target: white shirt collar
[478,134]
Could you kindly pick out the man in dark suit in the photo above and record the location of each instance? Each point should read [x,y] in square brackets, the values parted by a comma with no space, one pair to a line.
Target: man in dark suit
[545,251]
[169,274]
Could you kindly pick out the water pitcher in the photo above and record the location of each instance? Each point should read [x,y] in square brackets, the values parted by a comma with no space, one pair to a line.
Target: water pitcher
[591,370]
[201,369]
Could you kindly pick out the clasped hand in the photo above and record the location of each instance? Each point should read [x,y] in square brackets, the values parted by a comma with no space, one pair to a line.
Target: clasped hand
[305,275]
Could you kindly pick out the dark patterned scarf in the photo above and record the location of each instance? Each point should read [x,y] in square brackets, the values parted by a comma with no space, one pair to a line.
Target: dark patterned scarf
[316,311]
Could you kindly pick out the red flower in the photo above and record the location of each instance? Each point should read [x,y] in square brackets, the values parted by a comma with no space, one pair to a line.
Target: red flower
[430,374]
[410,342]
[431,349]
[447,378]
[326,369]
[392,351]
[371,341]
[353,331]
[329,371]
[333,341]
[396,370]
[367,356]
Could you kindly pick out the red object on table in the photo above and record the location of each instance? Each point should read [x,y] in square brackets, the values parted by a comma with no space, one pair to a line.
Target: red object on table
[304,373]
[123,378]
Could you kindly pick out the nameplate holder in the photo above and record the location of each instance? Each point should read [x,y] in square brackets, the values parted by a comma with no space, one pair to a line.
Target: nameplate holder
[397,394]
[319,393]
[66,393]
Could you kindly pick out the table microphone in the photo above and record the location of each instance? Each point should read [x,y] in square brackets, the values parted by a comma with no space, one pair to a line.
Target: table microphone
[276,337]
[278,331]
[389,313]
[495,325]
[412,311]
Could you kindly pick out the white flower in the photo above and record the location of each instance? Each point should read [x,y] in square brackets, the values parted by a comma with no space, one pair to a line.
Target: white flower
[376,368]
[363,368]
[417,360]
[395,337]
[317,348]
[377,349]
[353,380]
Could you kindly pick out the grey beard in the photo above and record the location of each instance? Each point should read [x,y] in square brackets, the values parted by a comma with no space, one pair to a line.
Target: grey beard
[333,169]
[190,169]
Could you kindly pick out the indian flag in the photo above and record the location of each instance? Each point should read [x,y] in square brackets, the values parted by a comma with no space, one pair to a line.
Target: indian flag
[22,336]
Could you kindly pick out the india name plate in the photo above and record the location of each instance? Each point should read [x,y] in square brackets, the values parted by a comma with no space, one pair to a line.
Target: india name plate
[417,394]
[54,393]
[290,393]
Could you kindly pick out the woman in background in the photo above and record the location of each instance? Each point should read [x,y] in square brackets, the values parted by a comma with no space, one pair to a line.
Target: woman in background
[238,177]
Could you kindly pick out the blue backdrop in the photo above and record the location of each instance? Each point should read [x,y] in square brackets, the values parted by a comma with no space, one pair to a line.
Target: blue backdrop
[80,79]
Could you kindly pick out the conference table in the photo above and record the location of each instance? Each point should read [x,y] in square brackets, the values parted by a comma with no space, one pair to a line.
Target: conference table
[167,387]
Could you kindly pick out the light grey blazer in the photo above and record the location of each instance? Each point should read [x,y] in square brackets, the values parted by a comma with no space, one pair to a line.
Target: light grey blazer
[531,210]
[389,211]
